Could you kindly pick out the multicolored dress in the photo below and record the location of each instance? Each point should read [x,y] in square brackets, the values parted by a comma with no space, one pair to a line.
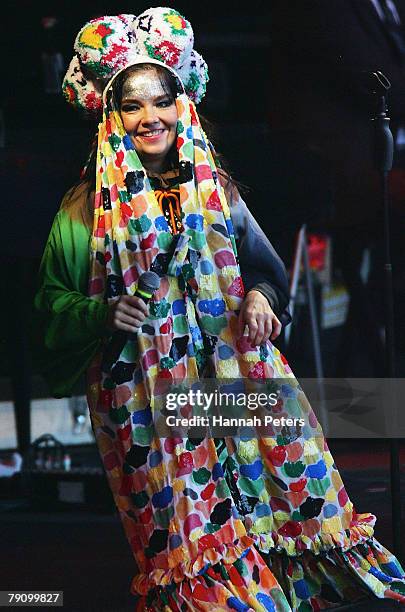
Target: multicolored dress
[244,523]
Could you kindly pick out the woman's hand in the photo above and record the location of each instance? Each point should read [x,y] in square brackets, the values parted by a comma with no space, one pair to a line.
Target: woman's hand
[257,315]
[127,314]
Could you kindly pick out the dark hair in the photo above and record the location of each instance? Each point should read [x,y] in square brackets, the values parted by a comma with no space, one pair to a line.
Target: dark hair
[172,86]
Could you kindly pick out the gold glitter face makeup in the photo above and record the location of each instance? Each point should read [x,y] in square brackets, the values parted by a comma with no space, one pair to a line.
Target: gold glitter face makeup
[144,85]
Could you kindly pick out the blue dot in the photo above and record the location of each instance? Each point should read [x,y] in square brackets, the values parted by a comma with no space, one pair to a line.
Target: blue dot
[212,307]
[237,604]
[245,552]
[161,223]
[190,493]
[262,510]
[380,575]
[318,470]
[163,498]
[329,510]
[179,307]
[142,417]
[196,334]
[225,352]
[138,376]
[174,541]
[229,226]
[392,569]
[238,386]
[155,459]
[301,589]
[252,470]
[127,143]
[195,222]
[217,471]
[266,601]
[189,132]
[206,267]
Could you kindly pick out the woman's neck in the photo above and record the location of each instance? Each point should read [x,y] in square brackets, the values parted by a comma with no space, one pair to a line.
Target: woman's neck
[160,165]
[156,166]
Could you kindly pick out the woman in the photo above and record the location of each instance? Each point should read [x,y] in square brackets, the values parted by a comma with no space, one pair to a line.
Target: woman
[214,524]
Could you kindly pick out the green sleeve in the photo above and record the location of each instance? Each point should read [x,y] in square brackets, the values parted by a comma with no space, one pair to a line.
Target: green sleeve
[71,324]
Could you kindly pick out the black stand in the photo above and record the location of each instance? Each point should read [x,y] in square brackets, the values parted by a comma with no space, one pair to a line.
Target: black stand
[384,150]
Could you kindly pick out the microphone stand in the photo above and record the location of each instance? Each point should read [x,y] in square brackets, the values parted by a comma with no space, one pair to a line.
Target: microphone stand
[384,152]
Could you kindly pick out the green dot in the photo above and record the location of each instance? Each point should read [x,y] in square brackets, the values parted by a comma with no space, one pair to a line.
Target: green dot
[198,239]
[109,384]
[318,487]
[222,490]
[224,574]
[188,150]
[140,225]
[213,325]
[193,82]
[115,142]
[164,240]
[211,527]
[187,271]
[233,241]
[124,196]
[134,160]
[280,600]
[293,408]
[297,516]
[119,415]
[159,310]
[142,435]
[201,476]
[140,499]
[163,517]
[398,587]
[241,567]
[251,487]
[130,352]
[180,324]
[166,363]
[232,465]
[305,607]
[293,470]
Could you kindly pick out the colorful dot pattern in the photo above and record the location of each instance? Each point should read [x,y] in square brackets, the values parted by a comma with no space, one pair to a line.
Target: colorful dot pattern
[231,524]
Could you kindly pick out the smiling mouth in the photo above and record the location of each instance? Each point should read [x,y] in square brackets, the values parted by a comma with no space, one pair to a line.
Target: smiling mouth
[152,134]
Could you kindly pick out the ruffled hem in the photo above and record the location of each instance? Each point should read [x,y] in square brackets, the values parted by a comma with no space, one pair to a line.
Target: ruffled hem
[228,553]
[361,530]
[312,582]
[222,587]
[240,576]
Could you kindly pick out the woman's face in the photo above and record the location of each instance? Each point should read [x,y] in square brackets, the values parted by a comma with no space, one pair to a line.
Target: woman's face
[149,115]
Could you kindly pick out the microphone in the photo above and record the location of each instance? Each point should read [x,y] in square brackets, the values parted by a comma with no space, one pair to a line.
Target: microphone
[148,283]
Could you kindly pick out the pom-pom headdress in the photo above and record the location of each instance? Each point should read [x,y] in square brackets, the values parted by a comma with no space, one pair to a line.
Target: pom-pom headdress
[106,45]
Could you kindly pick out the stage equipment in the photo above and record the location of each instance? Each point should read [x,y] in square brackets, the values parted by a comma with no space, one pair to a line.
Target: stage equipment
[384,153]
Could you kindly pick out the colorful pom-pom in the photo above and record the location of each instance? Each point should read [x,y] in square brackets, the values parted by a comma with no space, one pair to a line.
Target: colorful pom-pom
[108,44]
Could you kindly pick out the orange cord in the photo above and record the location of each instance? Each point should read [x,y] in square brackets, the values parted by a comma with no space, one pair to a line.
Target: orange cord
[172,198]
